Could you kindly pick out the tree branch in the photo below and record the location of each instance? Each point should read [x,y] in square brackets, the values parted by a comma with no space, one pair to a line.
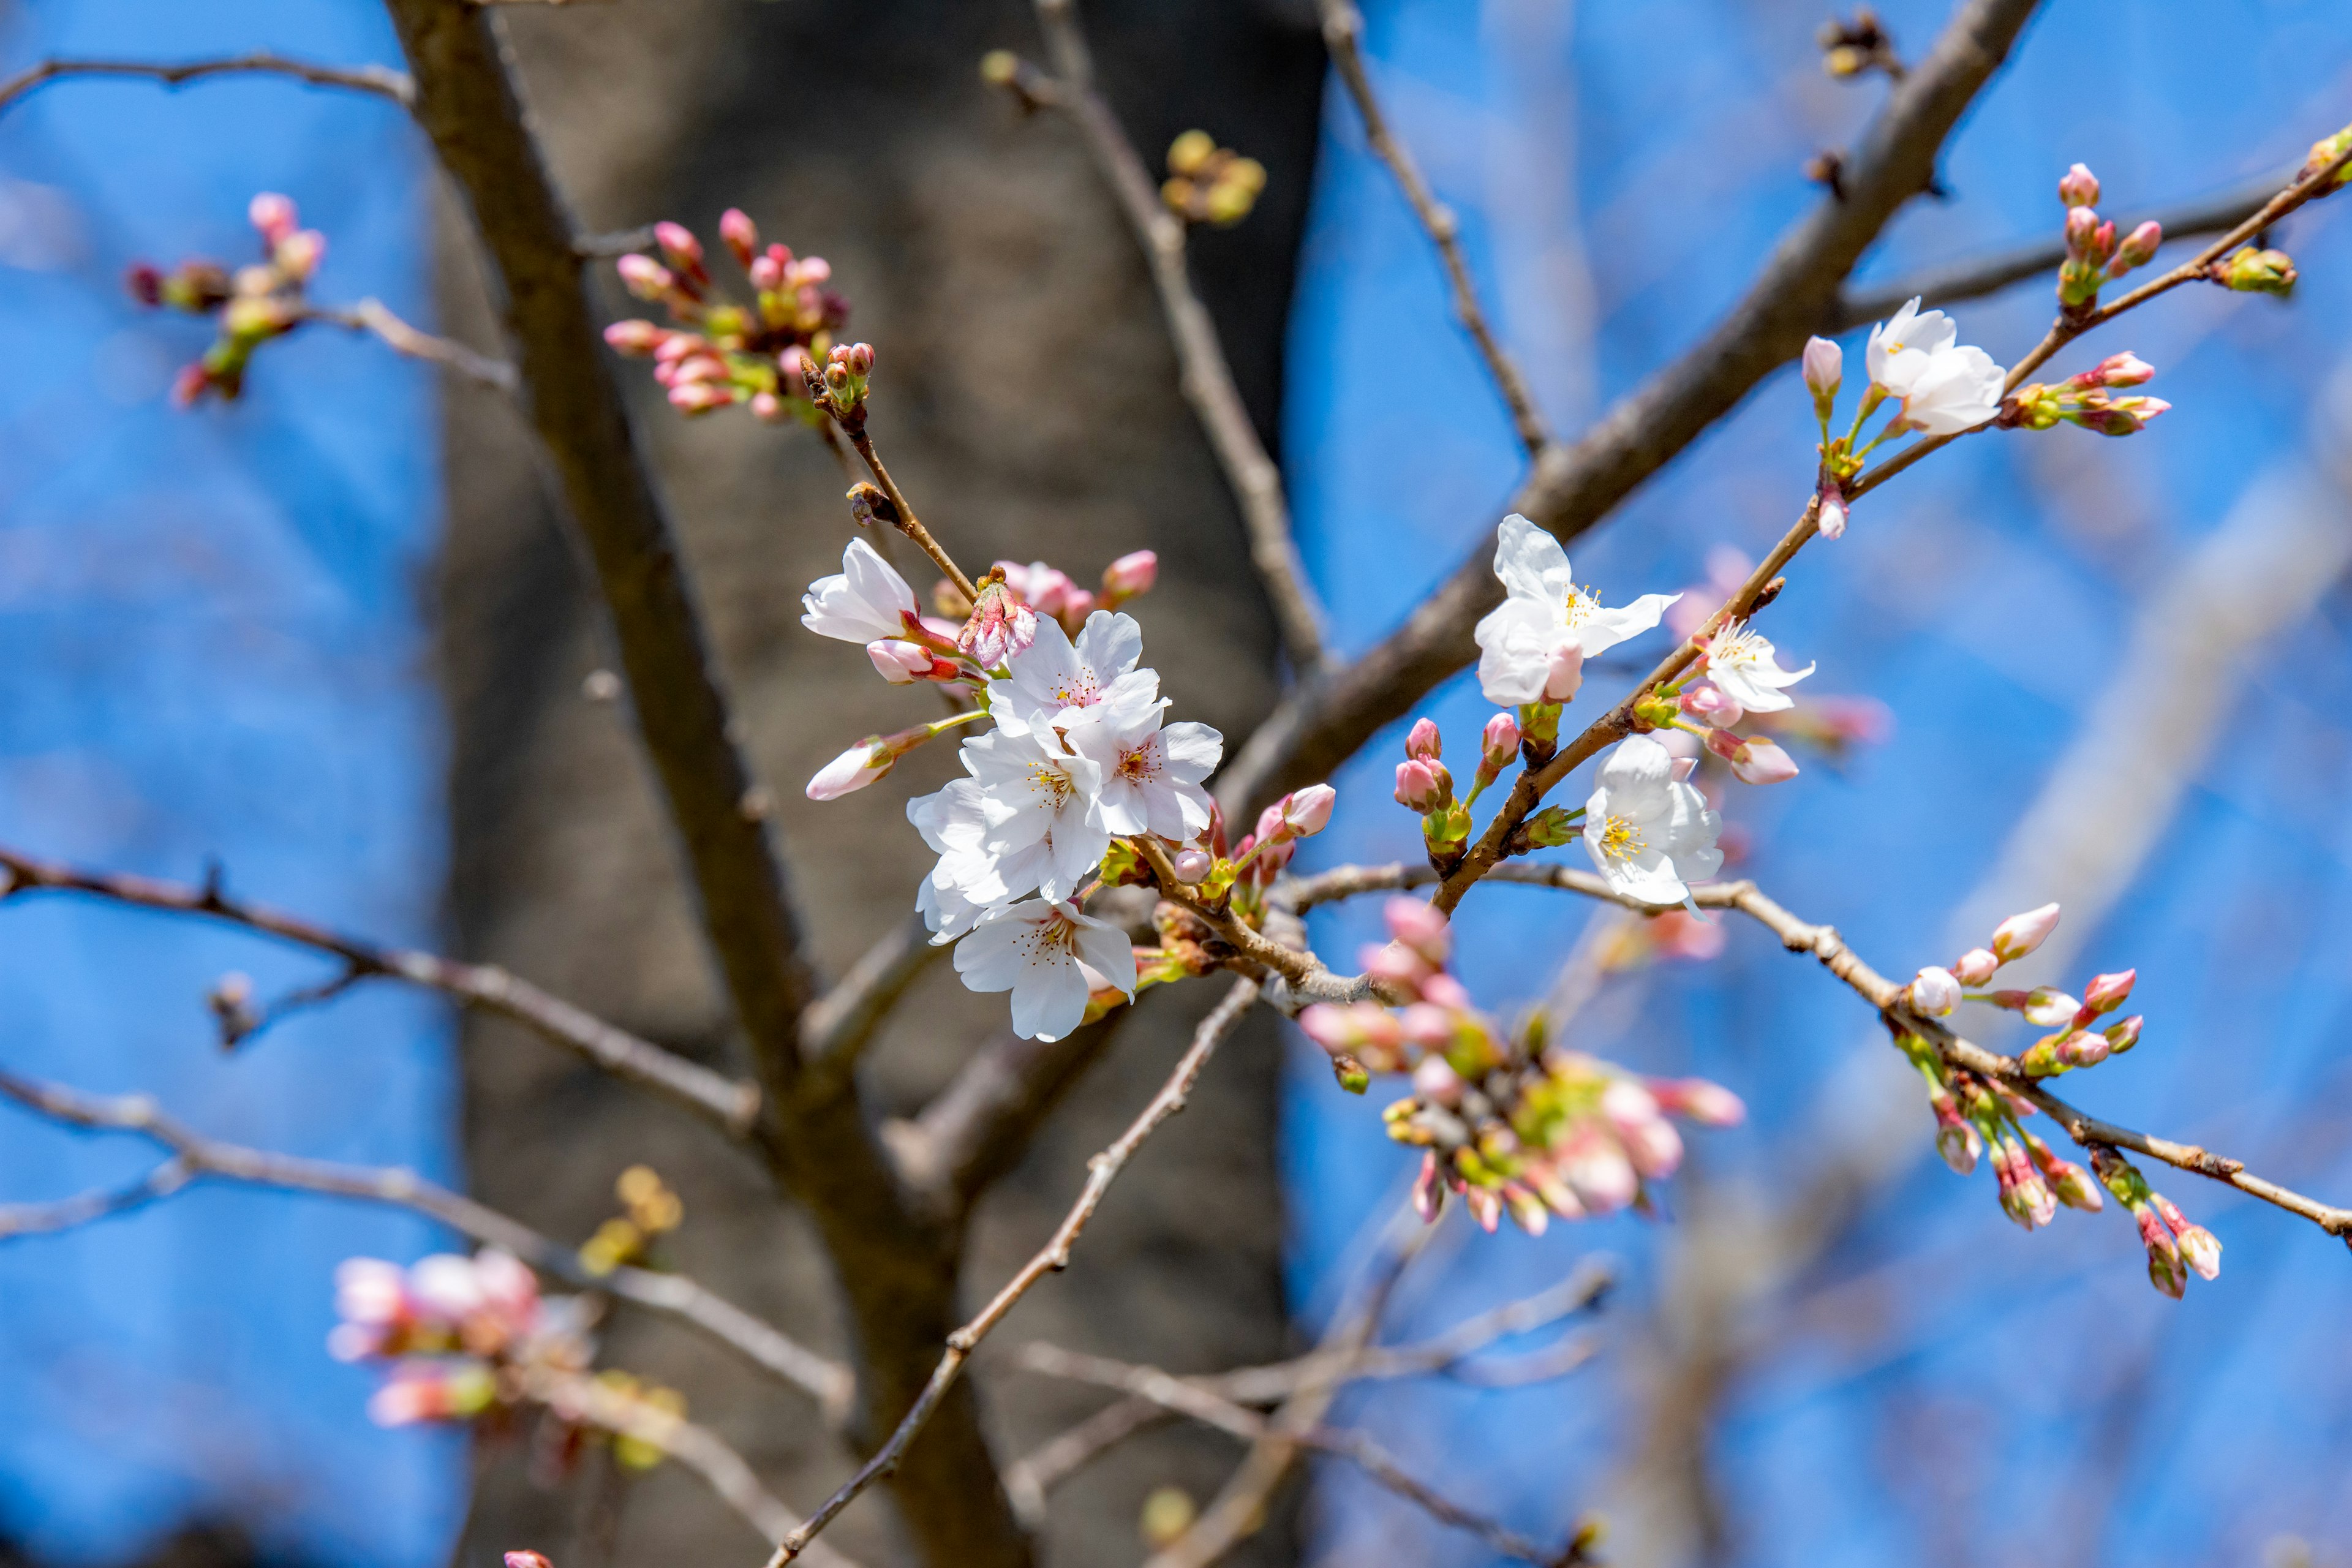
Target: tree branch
[374,316]
[977,1128]
[1055,1255]
[380,80]
[838,1025]
[732,1104]
[195,1155]
[1206,379]
[1573,485]
[1343,30]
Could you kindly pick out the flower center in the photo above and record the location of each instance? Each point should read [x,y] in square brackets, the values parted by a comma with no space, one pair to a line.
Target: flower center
[1140,764]
[1048,938]
[1582,604]
[1052,783]
[1619,840]
[1077,691]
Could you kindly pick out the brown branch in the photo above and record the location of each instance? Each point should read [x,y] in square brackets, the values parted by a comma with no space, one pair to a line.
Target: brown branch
[1205,377]
[978,1127]
[896,1263]
[1102,1170]
[838,1025]
[1343,30]
[194,1156]
[903,511]
[1574,485]
[730,1103]
[1972,277]
[1030,1478]
[372,316]
[380,80]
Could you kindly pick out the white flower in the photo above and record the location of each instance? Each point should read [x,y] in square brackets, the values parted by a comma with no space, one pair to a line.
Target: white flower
[1740,663]
[970,879]
[1945,386]
[1150,774]
[1054,674]
[1033,793]
[1649,834]
[868,601]
[1545,616]
[1033,949]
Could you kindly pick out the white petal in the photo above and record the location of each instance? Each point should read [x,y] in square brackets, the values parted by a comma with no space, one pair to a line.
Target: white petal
[1050,1001]
[1604,629]
[1529,560]
[1107,950]
[1111,644]
[1194,750]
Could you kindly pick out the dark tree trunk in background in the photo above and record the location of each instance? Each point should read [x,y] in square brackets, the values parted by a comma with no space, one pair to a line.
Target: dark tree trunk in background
[1026,397]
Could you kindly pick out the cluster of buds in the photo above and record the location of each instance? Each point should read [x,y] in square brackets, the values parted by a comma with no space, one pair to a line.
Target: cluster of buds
[2326,152]
[649,1210]
[1508,1121]
[1861,44]
[2251,269]
[717,351]
[2085,400]
[2077,1039]
[255,303]
[458,1336]
[1976,1116]
[1244,874]
[1425,787]
[2094,257]
[2174,1245]
[1209,184]
[1049,591]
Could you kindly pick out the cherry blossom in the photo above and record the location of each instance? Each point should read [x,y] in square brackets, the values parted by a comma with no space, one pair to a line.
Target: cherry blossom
[1152,774]
[1741,664]
[1035,949]
[1034,793]
[1531,645]
[1054,674]
[1944,386]
[1649,834]
[867,602]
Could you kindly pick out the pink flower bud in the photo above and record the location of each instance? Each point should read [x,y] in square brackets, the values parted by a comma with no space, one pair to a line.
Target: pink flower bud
[1975,967]
[1331,1025]
[1445,991]
[678,246]
[645,277]
[1418,788]
[767,273]
[2199,1248]
[1485,1206]
[899,663]
[1824,364]
[1762,761]
[2082,232]
[1046,589]
[1435,1079]
[2126,369]
[1958,1144]
[1710,705]
[528,1560]
[1697,1099]
[1420,927]
[1934,992]
[2021,934]
[1191,864]
[2048,1006]
[2106,992]
[1498,744]
[1422,742]
[635,337]
[1429,1189]
[1128,576]
[298,254]
[695,397]
[852,771]
[1566,674]
[2079,187]
[1395,966]
[767,406]
[2138,247]
[739,235]
[1305,812]
[1831,520]
[2123,1034]
[273,214]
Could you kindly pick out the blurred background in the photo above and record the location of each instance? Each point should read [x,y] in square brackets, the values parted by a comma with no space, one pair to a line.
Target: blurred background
[332,638]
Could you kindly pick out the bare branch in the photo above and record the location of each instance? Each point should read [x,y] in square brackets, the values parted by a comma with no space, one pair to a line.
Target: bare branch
[1343,30]
[732,1104]
[195,1155]
[1206,378]
[838,1025]
[1030,1478]
[1976,276]
[374,316]
[977,1128]
[1574,485]
[380,80]
[1055,1255]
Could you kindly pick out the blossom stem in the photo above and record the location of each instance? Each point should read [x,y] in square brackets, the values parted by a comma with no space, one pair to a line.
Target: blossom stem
[907,521]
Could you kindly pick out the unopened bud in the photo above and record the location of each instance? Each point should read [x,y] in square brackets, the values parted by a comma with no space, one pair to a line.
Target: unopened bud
[1128,576]
[1191,152]
[2120,416]
[1974,967]
[1422,787]
[1435,1079]
[2079,187]
[1420,926]
[1831,519]
[2123,1035]
[645,278]
[2325,151]
[699,397]
[1710,705]
[1957,1143]
[528,1560]
[2126,369]
[1698,1100]
[2137,248]
[1498,744]
[1305,812]
[298,254]
[1429,1189]
[637,337]
[2021,934]
[2251,272]
[1551,828]
[1824,364]
[853,770]
[2105,993]
[1423,742]
[899,663]
[2048,1006]
[1753,761]
[1934,992]
[1352,1075]
[273,214]
[739,235]
[1566,673]
[2081,234]
[678,246]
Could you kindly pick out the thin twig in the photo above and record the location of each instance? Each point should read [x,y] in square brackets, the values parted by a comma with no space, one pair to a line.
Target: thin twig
[906,520]
[1207,379]
[732,1104]
[1343,30]
[1055,1255]
[839,1025]
[380,80]
[1029,1478]
[195,1155]
[374,316]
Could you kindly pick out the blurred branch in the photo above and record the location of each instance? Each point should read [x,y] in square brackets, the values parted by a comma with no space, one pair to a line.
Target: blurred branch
[1343,28]
[732,1104]
[1186,1398]
[380,80]
[372,316]
[1574,485]
[978,1127]
[839,1025]
[1206,378]
[1038,1472]
[1055,1255]
[1975,276]
[195,1155]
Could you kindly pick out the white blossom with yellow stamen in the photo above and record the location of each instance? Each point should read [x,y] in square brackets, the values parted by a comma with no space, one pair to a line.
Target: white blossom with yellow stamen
[1649,834]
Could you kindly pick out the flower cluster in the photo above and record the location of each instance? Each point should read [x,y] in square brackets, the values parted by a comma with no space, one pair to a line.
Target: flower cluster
[1939,386]
[2174,1245]
[1209,184]
[2094,257]
[255,303]
[2077,1039]
[1506,1119]
[2084,400]
[1079,776]
[719,352]
[456,1332]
